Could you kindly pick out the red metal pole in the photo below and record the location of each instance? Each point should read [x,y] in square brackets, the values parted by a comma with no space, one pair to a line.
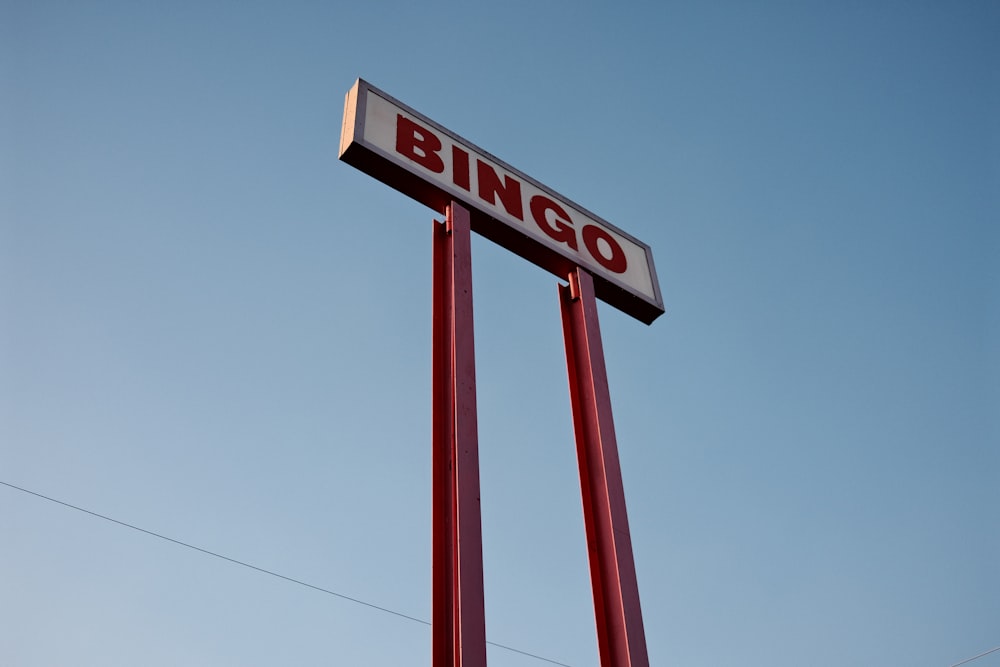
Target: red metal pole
[620,636]
[458,616]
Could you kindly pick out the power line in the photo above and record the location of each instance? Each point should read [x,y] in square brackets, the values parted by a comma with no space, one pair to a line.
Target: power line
[264,570]
[313,586]
[975,657]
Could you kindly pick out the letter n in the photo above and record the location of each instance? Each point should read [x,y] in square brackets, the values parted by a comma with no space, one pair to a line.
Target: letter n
[490,187]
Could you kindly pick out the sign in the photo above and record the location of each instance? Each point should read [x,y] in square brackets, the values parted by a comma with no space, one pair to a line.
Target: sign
[411,153]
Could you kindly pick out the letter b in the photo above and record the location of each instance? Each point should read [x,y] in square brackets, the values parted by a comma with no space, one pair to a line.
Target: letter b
[418,144]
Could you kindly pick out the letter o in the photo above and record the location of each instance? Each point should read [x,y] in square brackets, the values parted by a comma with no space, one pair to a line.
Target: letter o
[592,237]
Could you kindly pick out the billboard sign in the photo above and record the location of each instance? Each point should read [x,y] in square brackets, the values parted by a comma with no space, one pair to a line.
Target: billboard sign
[402,148]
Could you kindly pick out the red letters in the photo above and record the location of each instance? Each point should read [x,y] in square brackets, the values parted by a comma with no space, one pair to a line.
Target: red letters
[617,262]
[509,191]
[561,228]
[422,146]
[418,144]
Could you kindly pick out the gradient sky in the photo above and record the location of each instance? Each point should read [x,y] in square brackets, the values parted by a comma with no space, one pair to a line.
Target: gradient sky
[212,329]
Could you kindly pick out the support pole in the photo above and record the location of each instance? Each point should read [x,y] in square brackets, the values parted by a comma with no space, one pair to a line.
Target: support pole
[458,616]
[621,639]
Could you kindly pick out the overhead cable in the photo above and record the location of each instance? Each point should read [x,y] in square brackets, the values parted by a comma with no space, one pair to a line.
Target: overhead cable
[262,570]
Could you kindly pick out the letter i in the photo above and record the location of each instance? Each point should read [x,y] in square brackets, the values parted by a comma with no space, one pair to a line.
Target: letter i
[460,167]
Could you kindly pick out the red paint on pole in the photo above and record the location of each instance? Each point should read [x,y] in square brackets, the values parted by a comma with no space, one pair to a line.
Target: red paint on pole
[442,503]
[458,616]
[620,636]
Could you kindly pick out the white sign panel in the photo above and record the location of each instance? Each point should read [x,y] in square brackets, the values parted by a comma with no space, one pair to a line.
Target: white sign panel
[411,153]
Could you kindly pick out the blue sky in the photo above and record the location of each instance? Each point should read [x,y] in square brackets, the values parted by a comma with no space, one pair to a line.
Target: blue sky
[212,329]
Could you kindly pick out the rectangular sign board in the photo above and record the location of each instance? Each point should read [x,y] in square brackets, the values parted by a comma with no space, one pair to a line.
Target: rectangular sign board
[411,153]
